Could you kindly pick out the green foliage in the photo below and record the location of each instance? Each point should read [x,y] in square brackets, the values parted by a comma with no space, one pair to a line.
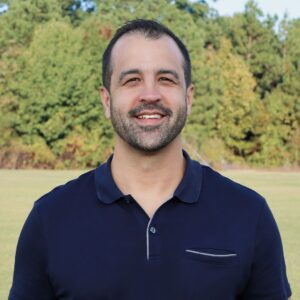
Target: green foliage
[254,39]
[36,155]
[17,25]
[56,88]
[84,149]
[216,153]
[246,107]
[279,131]
[206,104]
[240,118]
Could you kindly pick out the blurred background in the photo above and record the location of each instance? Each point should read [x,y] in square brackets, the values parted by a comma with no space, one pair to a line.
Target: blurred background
[246,68]
[246,112]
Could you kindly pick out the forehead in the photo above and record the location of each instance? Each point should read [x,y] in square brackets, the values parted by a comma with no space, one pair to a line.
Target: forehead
[134,50]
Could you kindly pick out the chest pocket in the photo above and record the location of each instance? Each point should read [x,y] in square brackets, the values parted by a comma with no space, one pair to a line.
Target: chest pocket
[208,271]
[212,256]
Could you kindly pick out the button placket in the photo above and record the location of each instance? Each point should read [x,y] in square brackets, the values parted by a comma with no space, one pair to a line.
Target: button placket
[152,240]
[153,236]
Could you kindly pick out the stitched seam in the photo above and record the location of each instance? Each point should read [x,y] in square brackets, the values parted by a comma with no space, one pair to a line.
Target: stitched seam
[211,254]
[147,238]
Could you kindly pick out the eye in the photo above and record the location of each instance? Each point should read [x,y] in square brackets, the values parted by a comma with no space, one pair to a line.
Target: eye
[166,79]
[132,80]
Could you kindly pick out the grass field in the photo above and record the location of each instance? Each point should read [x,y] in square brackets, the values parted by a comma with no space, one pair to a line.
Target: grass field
[18,190]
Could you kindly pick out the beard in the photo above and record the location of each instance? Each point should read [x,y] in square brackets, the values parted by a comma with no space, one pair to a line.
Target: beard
[149,138]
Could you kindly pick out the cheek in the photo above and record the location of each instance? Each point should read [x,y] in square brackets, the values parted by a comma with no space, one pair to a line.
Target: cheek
[174,99]
[127,94]
[169,93]
[119,106]
[125,101]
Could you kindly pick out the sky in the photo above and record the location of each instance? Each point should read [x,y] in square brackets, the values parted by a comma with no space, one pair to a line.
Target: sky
[272,7]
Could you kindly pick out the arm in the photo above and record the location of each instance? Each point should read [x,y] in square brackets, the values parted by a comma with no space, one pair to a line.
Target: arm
[268,280]
[30,280]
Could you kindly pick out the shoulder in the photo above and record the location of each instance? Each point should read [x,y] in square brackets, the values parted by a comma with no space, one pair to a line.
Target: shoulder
[231,194]
[66,195]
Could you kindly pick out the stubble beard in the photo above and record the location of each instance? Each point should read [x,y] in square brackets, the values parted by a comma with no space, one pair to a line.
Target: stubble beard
[148,138]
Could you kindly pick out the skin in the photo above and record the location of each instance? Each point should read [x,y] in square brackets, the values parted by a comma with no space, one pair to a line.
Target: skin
[147,77]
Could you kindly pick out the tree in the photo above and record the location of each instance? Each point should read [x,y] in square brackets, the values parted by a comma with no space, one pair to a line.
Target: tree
[284,104]
[253,38]
[240,118]
[247,98]
[17,25]
[57,89]
[278,131]
[228,111]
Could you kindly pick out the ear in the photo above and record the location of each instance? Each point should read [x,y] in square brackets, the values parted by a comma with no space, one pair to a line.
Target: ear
[105,98]
[189,98]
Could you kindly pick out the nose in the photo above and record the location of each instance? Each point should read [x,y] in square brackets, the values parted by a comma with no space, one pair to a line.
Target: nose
[150,92]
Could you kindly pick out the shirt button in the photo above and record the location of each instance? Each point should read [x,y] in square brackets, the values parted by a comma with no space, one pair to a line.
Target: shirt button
[152,229]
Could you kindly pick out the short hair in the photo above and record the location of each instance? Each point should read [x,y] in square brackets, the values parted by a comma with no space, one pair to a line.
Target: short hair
[150,29]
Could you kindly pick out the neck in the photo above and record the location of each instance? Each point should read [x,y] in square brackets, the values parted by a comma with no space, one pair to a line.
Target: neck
[141,173]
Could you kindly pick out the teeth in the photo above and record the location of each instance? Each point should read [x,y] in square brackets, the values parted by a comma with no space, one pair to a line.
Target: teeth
[149,117]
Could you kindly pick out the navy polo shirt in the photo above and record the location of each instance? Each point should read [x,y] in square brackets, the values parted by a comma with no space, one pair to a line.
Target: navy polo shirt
[212,240]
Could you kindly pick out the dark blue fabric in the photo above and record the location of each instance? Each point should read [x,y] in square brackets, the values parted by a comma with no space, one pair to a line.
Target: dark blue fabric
[213,240]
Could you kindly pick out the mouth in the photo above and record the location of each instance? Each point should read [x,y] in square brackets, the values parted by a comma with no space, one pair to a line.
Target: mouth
[150,117]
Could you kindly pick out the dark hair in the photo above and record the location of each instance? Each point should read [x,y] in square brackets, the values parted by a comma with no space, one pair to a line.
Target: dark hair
[150,29]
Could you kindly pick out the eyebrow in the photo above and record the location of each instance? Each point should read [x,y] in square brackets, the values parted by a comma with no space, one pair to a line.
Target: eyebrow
[127,72]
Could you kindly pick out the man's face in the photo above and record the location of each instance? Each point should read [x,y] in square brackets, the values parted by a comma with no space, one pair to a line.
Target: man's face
[148,100]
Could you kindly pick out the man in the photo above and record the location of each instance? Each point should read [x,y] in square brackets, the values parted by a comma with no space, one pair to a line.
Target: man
[150,223]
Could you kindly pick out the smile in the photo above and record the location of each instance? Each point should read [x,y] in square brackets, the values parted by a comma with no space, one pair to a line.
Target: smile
[150,116]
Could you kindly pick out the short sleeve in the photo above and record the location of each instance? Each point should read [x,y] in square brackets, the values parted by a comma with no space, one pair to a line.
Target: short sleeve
[30,280]
[268,279]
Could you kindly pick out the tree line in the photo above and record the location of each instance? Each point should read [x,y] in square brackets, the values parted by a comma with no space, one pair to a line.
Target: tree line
[246,69]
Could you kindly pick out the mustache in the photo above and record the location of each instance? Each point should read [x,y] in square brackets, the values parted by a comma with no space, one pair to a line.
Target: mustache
[150,106]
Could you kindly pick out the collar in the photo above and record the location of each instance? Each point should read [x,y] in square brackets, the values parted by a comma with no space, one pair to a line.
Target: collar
[188,190]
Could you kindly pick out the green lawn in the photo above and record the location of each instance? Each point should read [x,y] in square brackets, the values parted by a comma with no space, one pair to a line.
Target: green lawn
[18,190]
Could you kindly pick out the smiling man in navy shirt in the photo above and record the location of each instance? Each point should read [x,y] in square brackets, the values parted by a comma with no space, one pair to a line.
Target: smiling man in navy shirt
[150,223]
